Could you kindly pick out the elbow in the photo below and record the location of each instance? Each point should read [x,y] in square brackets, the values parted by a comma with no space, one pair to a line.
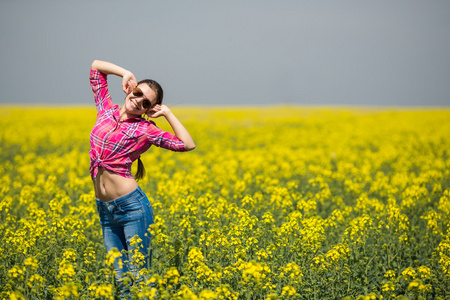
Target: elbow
[94,64]
[189,147]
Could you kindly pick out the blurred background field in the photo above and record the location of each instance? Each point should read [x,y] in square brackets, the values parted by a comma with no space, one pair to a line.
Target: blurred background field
[275,202]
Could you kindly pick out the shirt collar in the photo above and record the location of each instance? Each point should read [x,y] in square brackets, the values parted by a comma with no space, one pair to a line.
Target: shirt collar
[116,115]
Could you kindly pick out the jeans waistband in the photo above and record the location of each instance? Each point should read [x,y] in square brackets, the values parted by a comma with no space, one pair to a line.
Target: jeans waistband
[118,201]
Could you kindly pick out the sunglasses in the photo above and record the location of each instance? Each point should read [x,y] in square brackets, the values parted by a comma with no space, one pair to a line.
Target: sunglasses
[146,104]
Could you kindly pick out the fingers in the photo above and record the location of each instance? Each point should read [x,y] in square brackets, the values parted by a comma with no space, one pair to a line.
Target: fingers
[129,85]
[128,82]
[158,110]
[126,87]
[155,111]
[132,84]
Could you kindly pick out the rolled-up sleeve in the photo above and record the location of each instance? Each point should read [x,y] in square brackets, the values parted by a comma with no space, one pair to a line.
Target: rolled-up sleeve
[165,139]
[99,86]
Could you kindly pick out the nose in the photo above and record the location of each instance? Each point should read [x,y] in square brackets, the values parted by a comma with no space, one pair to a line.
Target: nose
[140,99]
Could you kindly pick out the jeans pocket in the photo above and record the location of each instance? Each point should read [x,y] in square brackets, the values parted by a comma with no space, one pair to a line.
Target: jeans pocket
[132,205]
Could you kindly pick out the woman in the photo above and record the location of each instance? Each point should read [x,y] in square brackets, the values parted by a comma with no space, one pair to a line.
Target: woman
[119,137]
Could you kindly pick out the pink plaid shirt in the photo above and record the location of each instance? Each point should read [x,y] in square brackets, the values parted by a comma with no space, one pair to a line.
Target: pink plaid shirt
[115,144]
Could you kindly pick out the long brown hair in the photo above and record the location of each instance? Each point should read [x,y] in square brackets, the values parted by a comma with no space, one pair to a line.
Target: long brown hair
[156,87]
[140,173]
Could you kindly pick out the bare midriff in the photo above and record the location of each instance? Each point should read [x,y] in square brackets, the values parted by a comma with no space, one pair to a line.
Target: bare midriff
[109,186]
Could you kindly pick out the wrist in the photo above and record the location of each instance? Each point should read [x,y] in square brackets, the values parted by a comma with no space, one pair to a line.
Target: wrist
[168,110]
[125,72]
[168,113]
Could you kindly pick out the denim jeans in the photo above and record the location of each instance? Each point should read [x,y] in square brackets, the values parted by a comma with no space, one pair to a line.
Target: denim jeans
[121,220]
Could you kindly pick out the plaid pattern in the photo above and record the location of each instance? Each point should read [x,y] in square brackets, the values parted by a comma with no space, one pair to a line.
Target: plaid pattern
[115,144]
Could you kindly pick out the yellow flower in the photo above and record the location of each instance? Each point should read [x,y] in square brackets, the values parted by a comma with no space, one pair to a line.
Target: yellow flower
[105,291]
[207,295]
[136,241]
[424,272]
[89,255]
[172,275]
[35,281]
[409,273]
[288,291]
[66,269]
[390,274]
[31,262]
[112,255]
[186,293]
[253,271]
[70,254]
[67,290]
[16,296]
[16,272]
[146,293]
[223,292]
[418,286]
[262,254]
[195,255]
[292,271]
[388,286]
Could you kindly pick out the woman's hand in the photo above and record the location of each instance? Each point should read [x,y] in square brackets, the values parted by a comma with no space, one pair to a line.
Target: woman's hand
[129,82]
[158,111]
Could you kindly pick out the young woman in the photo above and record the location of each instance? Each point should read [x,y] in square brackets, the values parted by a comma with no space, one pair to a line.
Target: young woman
[119,137]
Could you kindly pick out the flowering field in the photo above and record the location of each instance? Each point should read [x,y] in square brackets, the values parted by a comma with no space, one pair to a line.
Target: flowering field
[276,203]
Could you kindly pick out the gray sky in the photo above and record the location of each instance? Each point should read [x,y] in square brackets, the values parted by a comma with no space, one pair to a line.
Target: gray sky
[230,52]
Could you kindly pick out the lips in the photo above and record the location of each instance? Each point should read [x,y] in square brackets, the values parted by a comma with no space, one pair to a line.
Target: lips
[134,104]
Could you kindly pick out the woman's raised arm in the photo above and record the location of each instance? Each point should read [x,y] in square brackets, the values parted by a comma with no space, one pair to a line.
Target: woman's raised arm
[129,82]
[178,128]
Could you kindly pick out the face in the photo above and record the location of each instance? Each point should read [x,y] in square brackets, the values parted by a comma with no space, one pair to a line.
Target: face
[140,100]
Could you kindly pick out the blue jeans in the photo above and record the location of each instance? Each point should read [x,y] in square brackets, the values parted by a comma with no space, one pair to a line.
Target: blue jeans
[121,220]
